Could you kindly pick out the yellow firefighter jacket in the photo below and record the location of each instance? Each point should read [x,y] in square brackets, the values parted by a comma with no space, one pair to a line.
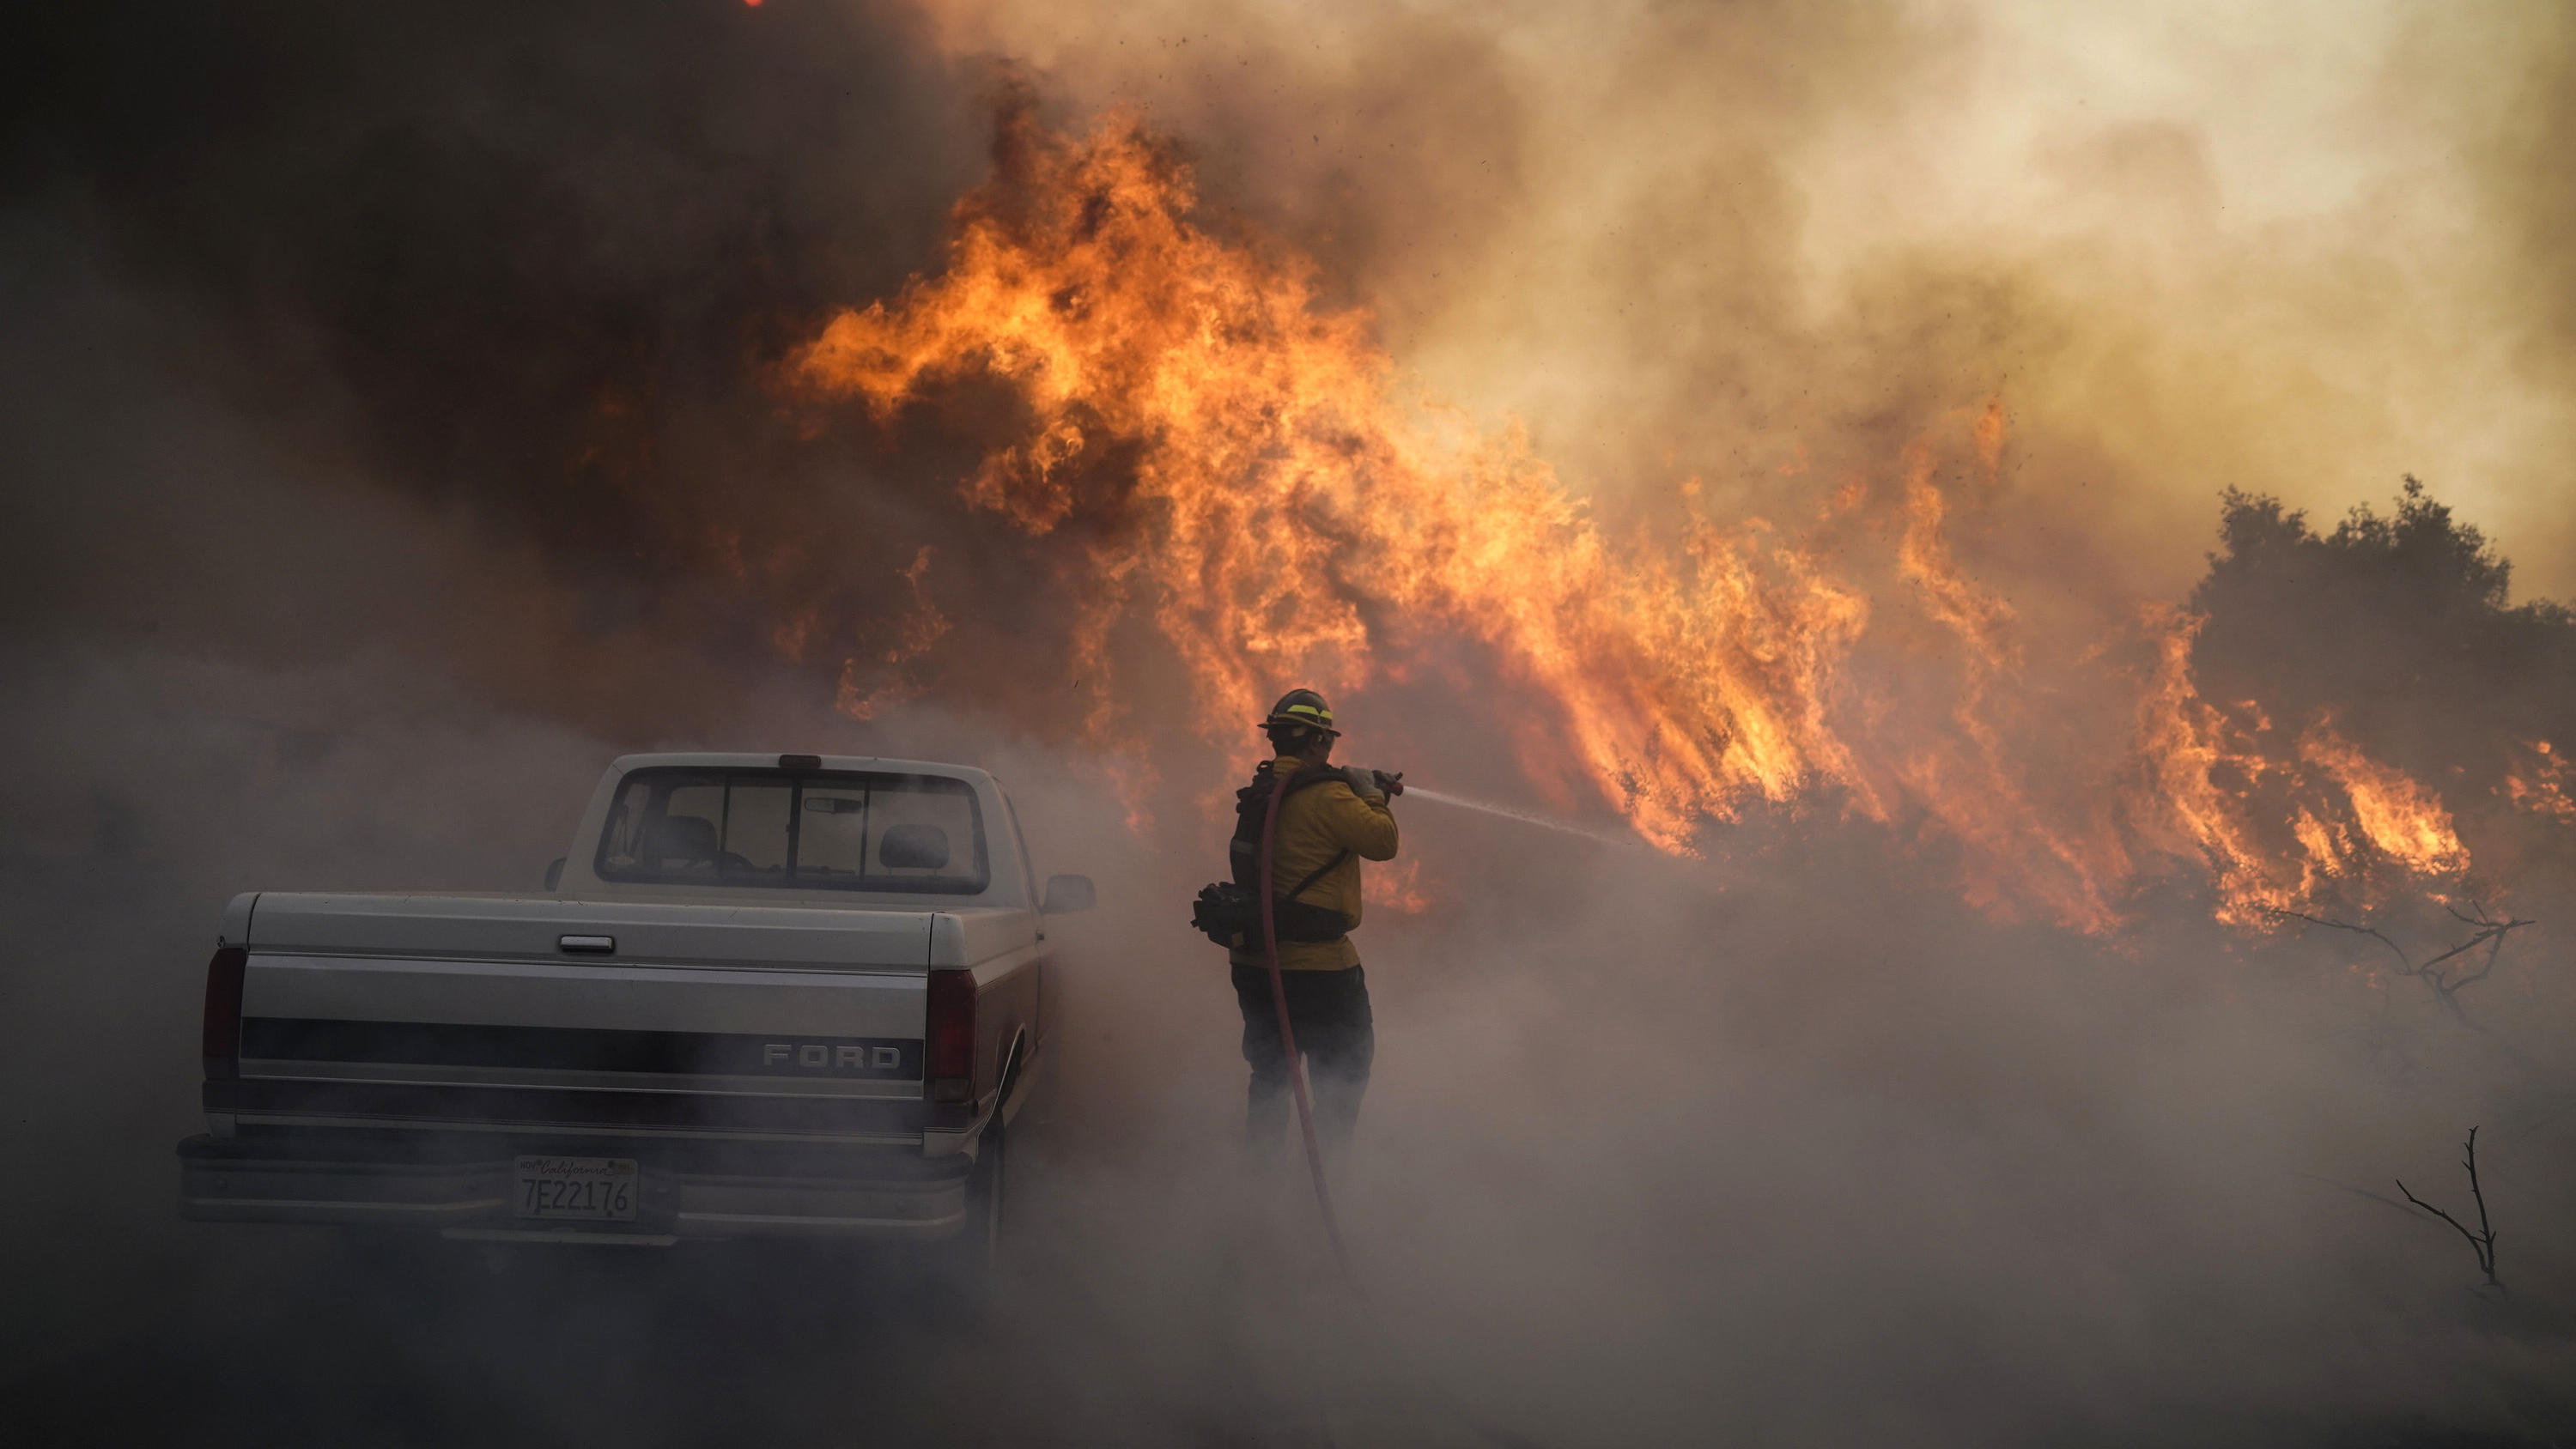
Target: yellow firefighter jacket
[1315,824]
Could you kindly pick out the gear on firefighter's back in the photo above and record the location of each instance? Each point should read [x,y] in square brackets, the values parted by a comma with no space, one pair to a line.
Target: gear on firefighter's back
[1326,828]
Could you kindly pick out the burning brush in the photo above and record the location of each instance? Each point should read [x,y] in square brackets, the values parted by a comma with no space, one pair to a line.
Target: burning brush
[1235,468]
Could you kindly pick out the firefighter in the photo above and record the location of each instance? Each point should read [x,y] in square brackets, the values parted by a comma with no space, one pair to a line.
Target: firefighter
[1329,822]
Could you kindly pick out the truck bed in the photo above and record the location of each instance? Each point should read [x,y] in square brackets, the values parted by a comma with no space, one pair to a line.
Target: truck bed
[711,1055]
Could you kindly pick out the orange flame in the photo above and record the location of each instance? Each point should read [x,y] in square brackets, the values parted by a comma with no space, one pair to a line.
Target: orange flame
[2540,784]
[2401,818]
[1277,489]
[1398,887]
[1972,784]
[2209,781]
[921,626]
[2187,747]
[1284,481]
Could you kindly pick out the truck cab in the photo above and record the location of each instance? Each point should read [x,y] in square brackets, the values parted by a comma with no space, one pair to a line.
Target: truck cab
[760,996]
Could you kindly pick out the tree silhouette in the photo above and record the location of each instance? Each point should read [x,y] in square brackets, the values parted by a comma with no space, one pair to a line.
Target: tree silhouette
[2398,627]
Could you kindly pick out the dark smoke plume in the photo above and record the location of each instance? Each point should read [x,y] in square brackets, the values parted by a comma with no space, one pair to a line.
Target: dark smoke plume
[510,268]
[393,436]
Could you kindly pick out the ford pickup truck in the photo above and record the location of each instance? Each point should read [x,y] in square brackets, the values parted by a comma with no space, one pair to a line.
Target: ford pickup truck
[765,995]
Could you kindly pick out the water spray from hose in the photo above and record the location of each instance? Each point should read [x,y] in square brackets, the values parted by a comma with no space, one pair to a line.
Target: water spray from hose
[1525,817]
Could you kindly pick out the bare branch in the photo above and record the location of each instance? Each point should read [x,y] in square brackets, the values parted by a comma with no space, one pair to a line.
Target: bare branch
[2485,1229]
[2437,1212]
[2360,1192]
[2481,1242]
[2495,948]
[2371,931]
[2495,931]
[2490,933]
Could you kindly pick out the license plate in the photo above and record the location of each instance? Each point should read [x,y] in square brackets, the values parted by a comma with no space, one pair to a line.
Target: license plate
[590,1189]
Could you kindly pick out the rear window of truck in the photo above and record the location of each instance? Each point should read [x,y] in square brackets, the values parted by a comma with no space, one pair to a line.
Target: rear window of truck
[814,830]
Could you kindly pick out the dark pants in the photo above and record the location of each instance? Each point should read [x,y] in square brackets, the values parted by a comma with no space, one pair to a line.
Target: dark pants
[1329,1012]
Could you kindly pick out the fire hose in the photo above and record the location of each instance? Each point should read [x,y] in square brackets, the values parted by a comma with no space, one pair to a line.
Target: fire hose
[1306,1118]
[1288,1032]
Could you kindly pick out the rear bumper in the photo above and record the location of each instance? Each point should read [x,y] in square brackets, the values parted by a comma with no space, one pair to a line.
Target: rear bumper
[466,1188]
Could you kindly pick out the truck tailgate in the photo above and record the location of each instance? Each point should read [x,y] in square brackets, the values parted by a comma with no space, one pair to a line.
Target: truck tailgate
[500,1013]
[537,928]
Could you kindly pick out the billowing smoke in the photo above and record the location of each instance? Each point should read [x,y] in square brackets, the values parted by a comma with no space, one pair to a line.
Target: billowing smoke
[2292,254]
[411,406]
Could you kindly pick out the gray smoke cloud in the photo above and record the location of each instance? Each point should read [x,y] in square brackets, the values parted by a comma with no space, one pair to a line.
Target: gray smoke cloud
[2298,253]
[389,447]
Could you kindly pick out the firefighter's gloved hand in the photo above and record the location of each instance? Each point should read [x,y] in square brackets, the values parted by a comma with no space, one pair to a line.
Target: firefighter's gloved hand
[1368,783]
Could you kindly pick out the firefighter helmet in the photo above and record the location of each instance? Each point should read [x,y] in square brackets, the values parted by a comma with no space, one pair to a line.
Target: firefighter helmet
[1302,707]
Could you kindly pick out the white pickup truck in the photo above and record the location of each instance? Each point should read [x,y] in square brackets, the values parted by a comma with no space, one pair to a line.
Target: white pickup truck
[790,995]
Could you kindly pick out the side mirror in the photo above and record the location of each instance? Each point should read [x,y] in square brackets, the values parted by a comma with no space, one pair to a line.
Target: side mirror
[1066,894]
[554,873]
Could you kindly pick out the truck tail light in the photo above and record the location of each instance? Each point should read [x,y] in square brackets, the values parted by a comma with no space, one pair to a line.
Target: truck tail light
[224,1013]
[948,1038]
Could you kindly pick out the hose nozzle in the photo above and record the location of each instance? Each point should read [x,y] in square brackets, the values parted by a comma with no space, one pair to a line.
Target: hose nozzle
[1366,781]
